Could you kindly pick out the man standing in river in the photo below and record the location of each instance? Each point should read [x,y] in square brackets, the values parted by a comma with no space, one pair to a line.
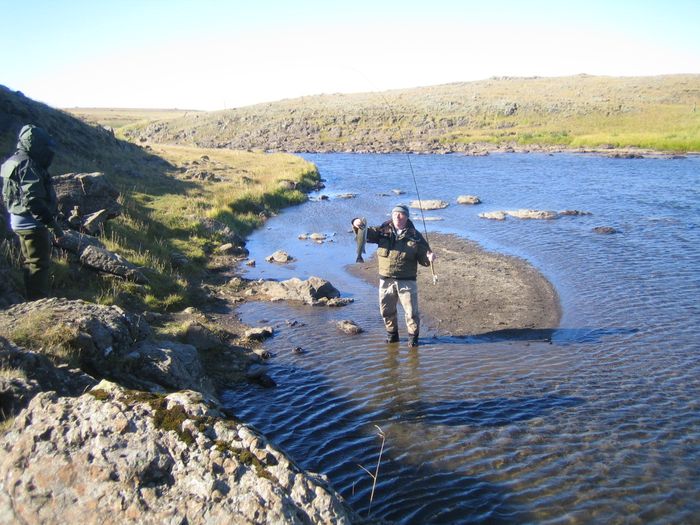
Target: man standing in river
[400,249]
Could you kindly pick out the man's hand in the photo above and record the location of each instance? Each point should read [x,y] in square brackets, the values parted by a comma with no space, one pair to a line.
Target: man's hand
[57,231]
[358,223]
[431,256]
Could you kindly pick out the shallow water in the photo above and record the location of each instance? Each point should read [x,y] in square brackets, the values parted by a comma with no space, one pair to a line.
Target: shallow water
[599,425]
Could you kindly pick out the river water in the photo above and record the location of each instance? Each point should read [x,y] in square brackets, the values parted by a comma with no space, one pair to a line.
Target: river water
[600,424]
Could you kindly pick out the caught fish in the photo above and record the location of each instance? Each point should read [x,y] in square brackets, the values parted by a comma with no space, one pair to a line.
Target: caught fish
[360,239]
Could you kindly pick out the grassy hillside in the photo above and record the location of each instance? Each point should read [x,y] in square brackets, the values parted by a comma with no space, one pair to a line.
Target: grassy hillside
[580,111]
[170,196]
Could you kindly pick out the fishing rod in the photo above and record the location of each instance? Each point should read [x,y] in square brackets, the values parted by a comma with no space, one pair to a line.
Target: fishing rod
[415,181]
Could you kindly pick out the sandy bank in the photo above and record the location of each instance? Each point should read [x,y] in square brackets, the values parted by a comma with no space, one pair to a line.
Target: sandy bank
[478,292]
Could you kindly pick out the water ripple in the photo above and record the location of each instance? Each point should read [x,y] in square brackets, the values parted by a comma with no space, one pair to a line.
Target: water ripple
[596,421]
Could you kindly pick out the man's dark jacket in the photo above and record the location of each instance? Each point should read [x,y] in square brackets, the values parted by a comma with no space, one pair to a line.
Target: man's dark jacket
[399,254]
[27,188]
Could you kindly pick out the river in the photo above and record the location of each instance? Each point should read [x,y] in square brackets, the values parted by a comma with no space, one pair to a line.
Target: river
[600,424]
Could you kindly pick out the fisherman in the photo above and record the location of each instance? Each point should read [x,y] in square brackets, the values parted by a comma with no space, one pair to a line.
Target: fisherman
[400,249]
[28,193]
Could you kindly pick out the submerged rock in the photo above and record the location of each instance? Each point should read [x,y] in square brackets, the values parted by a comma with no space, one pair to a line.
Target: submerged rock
[533,214]
[494,215]
[605,230]
[349,327]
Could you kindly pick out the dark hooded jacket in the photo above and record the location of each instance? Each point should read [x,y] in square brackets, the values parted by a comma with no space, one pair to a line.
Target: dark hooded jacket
[27,188]
[399,254]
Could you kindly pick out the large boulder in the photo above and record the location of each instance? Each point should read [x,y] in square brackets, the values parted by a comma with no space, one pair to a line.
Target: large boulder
[172,365]
[90,192]
[93,254]
[115,456]
[103,260]
[311,291]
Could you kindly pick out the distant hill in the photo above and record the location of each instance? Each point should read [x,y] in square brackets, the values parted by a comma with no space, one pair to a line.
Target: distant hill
[579,111]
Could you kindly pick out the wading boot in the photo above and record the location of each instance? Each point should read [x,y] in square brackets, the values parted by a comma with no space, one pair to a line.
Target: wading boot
[392,337]
[412,340]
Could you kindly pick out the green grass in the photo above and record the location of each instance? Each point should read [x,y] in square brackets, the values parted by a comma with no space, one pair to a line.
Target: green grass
[163,216]
[41,332]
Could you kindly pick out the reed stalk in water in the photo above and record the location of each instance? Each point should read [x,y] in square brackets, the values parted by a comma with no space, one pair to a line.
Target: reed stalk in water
[376,470]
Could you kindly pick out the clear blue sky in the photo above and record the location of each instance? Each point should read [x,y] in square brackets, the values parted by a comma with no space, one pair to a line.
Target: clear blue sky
[221,54]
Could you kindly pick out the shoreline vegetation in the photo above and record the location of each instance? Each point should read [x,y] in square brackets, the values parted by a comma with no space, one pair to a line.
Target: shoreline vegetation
[142,361]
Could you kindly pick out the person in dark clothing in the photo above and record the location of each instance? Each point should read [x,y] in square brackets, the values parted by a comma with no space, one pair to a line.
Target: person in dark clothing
[401,248]
[28,193]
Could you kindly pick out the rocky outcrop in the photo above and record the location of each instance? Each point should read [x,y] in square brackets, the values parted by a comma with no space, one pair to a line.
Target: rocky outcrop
[89,192]
[32,373]
[169,365]
[110,343]
[116,456]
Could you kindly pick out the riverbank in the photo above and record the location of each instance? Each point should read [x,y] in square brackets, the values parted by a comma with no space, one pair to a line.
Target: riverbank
[479,292]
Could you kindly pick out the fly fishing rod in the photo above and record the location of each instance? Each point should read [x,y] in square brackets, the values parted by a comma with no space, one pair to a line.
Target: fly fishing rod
[415,181]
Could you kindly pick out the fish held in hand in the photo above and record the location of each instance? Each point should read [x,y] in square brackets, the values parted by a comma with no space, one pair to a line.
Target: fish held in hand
[360,239]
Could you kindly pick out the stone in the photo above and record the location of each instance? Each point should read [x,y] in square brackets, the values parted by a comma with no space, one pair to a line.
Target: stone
[349,327]
[310,291]
[259,334]
[533,214]
[91,192]
[468,199]
[201,337]
[279,256]
[93,223]
[171,365]
[105,261]
[494,215]
[433,204]
[605,230]
[575,213]
[231,249]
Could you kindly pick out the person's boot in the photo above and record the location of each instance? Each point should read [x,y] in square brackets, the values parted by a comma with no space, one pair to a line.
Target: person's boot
[392,337]
[412,340]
